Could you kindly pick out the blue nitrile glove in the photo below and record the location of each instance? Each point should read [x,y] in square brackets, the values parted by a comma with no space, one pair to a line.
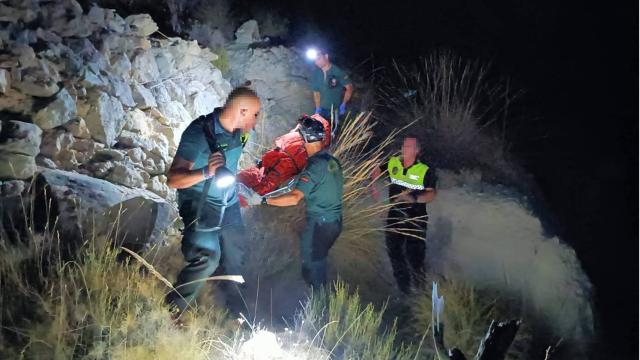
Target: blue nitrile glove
[252,197]
[318,110]
[342,109]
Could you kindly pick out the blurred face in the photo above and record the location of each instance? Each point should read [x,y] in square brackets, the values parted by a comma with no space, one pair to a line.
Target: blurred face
[322,60]
[410,148]
[247,110]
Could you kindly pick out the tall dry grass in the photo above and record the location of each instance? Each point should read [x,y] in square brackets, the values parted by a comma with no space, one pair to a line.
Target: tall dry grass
[349,328]
[461,114]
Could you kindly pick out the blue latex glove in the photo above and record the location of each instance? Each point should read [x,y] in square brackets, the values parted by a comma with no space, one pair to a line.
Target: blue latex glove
[318,110]
[342,109]
[252,197]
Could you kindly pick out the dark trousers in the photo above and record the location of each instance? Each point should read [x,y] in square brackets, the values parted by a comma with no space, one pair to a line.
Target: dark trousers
[318,237]
[407,253]
[201,247]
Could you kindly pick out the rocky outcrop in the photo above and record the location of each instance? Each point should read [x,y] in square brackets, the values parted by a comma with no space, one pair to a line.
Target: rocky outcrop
[284,89]
[90,98]
[87,207]
[98,81]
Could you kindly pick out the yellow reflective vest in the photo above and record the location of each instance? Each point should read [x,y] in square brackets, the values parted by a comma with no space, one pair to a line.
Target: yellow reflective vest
[412,178]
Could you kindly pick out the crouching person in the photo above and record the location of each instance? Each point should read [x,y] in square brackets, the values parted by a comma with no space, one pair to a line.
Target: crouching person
[207,196]
[320,184]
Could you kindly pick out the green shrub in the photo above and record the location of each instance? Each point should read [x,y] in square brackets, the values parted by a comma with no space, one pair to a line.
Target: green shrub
[222,62]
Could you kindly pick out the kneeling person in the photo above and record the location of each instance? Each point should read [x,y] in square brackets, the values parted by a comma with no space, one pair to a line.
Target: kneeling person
[320,184]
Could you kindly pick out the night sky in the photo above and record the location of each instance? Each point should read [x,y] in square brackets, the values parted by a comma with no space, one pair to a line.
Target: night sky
[578,66]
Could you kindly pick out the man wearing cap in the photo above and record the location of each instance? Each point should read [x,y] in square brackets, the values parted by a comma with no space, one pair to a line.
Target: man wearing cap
[320,184]
[332,89]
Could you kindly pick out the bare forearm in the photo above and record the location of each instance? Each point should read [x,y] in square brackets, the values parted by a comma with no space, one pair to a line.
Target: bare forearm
[316,98]
[184,178]
[426,197]
[284,200]
[347,94]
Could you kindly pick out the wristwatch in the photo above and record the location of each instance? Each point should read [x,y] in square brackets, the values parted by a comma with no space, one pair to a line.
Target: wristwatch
[264,201]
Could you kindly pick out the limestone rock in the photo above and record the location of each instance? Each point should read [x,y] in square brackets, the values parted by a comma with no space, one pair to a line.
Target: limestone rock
[144,68]
[78,128]
[136,155]
[12,188]
[36,88]
[20,138]
[55,141]
[142,96]
[126,175]
[121,66]
[203,103]
[105,118]
[109,155]
[248,33]
[165,61]
[15,101]
[120,89]
[16,166]
[141,24]
[87,207]
[57,113]
[45,162]
[158,185]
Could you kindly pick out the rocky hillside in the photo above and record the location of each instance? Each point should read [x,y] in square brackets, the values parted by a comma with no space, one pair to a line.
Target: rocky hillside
[96,94]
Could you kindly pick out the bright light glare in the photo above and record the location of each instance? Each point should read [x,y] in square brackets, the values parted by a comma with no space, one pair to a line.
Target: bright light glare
[312,54]
[225,181]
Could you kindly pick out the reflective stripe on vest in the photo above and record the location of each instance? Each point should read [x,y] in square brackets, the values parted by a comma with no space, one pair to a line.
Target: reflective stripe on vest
[414,177]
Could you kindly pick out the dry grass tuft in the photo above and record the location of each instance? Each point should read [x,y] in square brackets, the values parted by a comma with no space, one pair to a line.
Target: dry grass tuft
[459,113]
[339,322]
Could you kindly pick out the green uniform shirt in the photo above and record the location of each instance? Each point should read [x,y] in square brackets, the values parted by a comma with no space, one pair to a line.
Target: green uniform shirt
[194,147]
[330,86]
[321,182]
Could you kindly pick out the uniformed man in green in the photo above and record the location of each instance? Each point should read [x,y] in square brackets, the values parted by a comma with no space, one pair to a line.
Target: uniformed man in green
[332,89]
[320,184]
[207,196]
[413,185]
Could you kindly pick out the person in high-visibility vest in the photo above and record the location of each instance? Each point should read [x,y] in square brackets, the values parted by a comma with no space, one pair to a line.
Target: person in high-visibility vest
[413,185]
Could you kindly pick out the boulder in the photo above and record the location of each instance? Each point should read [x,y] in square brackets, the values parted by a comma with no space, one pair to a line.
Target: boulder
[16,166]
[248,33]
[78,128]
[57,145]
[88,208]
[119,88]
[121,66]
[158,185]
[203,103]
[105,118]
[58,112]
[142,96]
[46,88]
[16,102]
[126,175]
[20,138]
[141,24]
[144,68]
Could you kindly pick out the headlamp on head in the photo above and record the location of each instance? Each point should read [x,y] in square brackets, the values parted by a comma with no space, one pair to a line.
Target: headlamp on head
[312,53]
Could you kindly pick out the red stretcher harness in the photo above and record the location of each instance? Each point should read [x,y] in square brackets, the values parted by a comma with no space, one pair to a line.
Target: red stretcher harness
[280,164]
